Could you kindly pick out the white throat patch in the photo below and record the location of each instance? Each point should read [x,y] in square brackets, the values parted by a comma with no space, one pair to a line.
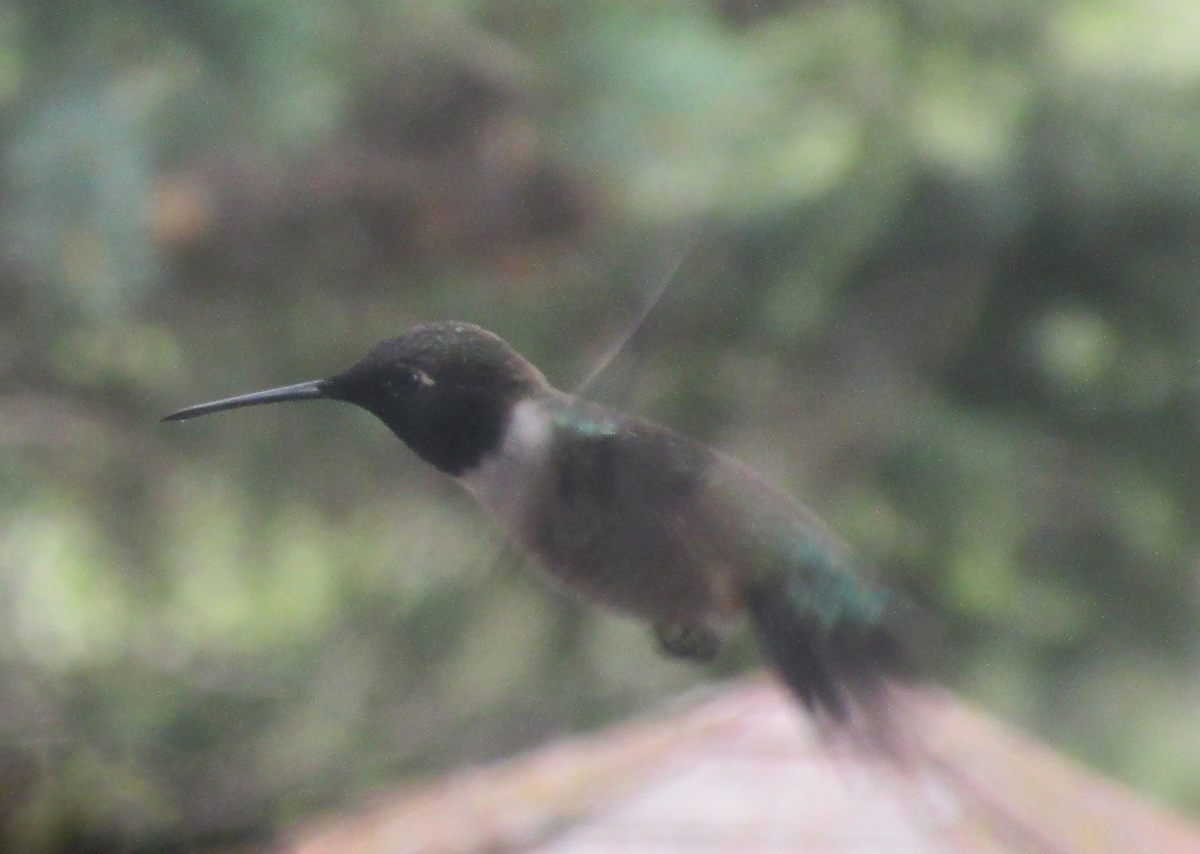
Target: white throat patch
[502,481]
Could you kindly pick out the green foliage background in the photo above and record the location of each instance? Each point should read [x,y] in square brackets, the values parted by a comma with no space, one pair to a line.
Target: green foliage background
[935,266]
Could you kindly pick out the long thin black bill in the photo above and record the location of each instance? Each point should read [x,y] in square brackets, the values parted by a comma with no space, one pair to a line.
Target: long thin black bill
[300,391]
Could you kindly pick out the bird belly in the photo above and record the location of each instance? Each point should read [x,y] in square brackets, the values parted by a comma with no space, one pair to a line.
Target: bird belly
[654,580]
[610,508]
[650,559]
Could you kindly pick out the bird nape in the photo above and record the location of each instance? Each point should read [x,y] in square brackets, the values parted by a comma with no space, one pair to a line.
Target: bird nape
[631,515]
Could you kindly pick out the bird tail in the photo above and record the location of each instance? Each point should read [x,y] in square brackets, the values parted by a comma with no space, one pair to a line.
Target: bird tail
[843,671]
[857,678]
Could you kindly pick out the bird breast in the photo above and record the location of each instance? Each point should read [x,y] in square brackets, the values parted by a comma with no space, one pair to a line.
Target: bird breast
[503,481]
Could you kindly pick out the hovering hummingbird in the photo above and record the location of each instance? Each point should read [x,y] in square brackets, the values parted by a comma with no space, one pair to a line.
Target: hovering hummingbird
[630,514]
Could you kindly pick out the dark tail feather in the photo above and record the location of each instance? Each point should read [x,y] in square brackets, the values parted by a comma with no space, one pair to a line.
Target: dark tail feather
[855,679]
[842,673]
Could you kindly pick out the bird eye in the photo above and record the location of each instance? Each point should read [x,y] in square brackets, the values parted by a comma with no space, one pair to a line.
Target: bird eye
[404,383]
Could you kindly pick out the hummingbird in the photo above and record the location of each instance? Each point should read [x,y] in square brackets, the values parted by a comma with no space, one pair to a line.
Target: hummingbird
[629,514]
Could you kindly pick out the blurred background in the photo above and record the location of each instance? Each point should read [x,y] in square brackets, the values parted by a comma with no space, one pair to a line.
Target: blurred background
[933,265]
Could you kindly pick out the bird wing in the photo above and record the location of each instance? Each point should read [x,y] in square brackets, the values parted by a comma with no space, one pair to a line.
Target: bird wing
[619,515]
